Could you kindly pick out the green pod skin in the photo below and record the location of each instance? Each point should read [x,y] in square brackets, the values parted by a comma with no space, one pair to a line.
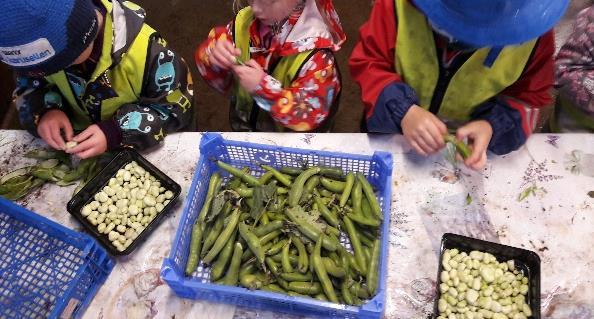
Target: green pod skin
[321,297]
[264,219]
[303,260]
[332,231]
[320,271]
[285,261]
[309,187]
[346,193]
[293,171]
[311,232]
[247,268]
[212,233]
[250,281]
[372,274]
[332,268]
[273,266]
[346,294]
[245,192]
[461,147]
[218,267]
[333,185]
[265,178]
[270,236]
[252,241]
[368,190]
[359,219]
[367,251]
[365,241]
[232,275]
[195,246]
[325,193]
[297,189]
[295,276]
[356,243]
[357,197]
[224,236]
[284,179]
[296,294]
[278,258]
[276,248]
[335,172]
[366,209]
[334,256]
[247,254]
[268,228]
[305,287]
[326,213]
[274,288]
[213,184]
[249,179]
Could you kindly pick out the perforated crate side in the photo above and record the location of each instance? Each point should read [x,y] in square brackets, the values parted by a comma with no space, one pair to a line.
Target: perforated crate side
[377,168]
[44,266]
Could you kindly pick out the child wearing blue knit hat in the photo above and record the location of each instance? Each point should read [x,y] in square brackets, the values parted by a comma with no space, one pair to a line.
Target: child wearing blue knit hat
[96,69]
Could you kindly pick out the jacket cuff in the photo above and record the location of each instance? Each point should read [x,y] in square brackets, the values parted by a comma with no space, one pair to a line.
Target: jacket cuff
[508,133]
[113,133]
[392,104]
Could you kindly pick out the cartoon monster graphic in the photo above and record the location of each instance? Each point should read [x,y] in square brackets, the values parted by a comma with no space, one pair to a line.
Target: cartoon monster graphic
[165,74]
[133,121]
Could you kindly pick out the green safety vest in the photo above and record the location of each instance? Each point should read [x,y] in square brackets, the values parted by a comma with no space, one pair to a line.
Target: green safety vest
[126,77]
[474,83]
[285,71]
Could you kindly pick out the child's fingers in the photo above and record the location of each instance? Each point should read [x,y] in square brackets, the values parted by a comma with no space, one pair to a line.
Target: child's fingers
[67,127]
[88,153]
[252,63]
[82,136]
[56,136]
[417,148]
[44,133]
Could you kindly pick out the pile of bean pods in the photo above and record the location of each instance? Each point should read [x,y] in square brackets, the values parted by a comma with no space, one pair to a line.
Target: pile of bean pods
[280,232]
[53,167]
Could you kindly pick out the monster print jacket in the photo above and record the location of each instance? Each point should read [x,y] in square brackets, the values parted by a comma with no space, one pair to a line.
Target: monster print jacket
[137,90]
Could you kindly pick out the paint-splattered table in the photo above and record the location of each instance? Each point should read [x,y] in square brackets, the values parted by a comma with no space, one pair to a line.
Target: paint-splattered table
[539,198]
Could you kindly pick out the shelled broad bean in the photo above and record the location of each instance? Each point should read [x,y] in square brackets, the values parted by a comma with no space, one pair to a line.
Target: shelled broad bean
[476,285]
[126,205]
[288,222]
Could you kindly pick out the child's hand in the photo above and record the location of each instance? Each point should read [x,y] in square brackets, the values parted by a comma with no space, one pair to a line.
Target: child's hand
[249,75]
[50,128]
[423,130]
[479,135]
[91,142]
[223,54]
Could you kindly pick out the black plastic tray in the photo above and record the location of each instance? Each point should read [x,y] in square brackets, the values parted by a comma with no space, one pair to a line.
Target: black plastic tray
[525,261]
[85,195]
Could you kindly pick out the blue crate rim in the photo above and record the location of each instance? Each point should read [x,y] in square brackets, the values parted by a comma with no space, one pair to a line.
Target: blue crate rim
[106,264]
[170,271]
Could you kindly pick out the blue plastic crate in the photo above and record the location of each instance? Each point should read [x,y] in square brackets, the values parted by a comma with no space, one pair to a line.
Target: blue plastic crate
[378,170]
[46,269]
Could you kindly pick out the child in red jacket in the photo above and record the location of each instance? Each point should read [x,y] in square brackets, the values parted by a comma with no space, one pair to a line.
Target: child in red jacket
[276,60]
[481,66]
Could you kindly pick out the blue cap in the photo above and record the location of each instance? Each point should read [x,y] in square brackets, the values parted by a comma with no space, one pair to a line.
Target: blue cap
[42,37]
[488,23]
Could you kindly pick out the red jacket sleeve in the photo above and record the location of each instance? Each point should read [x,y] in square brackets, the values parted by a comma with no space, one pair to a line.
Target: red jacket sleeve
[533,90]
[372,61]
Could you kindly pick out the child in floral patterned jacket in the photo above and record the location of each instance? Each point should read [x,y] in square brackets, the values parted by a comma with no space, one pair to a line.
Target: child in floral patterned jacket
[276,59]
[575,78]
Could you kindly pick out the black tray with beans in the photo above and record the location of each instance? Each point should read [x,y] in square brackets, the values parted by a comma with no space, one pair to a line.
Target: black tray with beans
[482,279]
[122,204]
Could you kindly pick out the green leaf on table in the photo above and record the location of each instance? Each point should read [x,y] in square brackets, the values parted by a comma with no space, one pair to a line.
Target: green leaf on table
[310,217]
[527,192]
[468,199]
[258,200]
